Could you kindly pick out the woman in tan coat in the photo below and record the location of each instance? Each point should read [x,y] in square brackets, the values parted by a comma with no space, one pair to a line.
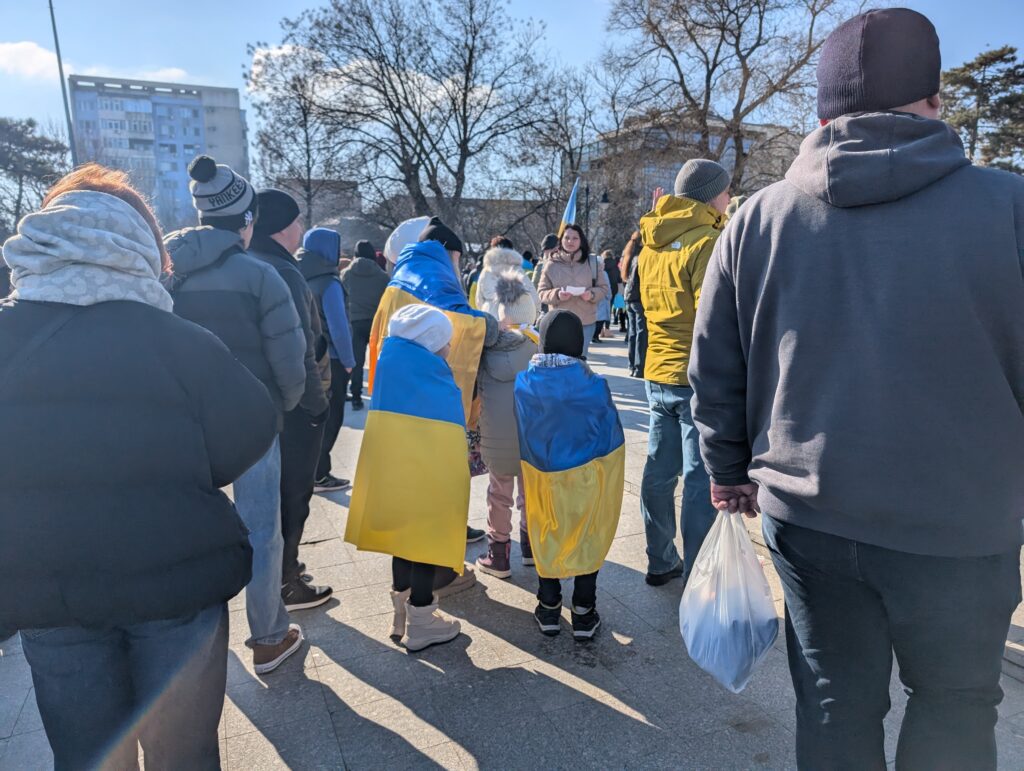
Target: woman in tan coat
[575,280]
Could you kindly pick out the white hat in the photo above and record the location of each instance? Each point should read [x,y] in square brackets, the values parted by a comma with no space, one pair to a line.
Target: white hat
[406,233]
[422,324]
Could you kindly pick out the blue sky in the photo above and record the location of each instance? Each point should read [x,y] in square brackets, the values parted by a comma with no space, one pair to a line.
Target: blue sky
[203,41]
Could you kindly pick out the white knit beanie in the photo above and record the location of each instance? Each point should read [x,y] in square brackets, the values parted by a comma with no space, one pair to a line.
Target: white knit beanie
[515,305]
[406,233]
[421,324]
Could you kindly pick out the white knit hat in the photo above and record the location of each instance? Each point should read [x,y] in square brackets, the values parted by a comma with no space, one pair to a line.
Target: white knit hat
[514,303]
[406,233]
[421,324]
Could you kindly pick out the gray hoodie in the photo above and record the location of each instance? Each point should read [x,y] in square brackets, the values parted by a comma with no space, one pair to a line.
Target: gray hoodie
[858,346]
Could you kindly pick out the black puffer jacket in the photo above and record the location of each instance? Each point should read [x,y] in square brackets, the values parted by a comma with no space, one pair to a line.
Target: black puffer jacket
[243,302]
[144,416]
[364,284]
[314,399]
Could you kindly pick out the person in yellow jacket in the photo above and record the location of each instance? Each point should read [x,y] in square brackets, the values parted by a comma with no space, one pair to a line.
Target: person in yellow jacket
[678,236]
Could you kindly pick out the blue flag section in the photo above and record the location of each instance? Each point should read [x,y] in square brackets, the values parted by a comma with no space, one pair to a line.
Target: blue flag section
[569,216]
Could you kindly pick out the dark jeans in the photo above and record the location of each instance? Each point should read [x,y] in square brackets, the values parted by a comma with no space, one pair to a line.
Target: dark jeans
[339,382]
[850,606]
[584,591]
[161,683]
[417,576]
[360,340]
[636,340]
[300,449]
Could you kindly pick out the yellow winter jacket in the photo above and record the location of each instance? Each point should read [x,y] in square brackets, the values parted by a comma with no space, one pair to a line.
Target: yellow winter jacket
[678,237]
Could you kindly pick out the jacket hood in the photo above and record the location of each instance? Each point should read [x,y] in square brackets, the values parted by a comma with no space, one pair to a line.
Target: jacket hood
[673,216]
[194,248]
[365,268]
[312,264]
[325,243]
[497,258]
[872,158]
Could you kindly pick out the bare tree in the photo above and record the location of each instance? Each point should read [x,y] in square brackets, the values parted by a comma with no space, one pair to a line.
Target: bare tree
[297,147]
[424,94]
[722,65]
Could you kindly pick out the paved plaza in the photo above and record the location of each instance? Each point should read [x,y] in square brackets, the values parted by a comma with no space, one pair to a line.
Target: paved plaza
[501,696]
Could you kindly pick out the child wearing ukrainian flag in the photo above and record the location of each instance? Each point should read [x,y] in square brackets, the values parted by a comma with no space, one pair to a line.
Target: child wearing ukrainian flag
[411,492]
[572,452]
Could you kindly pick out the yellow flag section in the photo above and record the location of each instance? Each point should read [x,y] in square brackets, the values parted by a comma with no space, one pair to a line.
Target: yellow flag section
[424,274]
[573,460]
[411,493]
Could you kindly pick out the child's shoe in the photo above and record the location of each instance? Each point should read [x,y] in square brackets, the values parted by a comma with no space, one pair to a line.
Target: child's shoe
[584,622]
[426,626]
[525,548]
[548,619]
[497,561]
[398,624]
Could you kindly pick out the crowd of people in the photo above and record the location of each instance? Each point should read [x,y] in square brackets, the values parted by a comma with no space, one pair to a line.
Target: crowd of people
[838,353]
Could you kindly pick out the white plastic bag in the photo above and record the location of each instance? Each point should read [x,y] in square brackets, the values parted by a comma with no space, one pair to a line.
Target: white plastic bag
[726,615]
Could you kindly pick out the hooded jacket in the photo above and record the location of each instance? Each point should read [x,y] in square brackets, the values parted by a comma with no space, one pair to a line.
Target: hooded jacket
[244,302]
[562,270]
[499,438]
[858,346]
[314,397]
[145,414]
[318,262]
[678,237]
[364,283]
[496,262]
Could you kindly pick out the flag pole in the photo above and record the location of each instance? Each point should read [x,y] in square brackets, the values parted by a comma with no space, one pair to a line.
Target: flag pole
[64,90]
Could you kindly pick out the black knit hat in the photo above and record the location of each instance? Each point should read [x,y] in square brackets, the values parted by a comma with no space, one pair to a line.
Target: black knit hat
[561,331]
[365,250]
[438,231]
[550,242]
[877,61]
[278,210]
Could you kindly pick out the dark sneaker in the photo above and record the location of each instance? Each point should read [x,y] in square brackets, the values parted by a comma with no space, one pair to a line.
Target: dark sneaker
[525,548]
[660,579]
[548,619]
[330,484]
[584,623]
[299,595]
[473,534]
[497,560]
[357,404]
[267,658]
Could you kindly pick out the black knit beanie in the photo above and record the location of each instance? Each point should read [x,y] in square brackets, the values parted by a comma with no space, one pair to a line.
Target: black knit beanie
[278,210]
[877,61]
[561,331]
[438,231]
[365,250]
[550,242]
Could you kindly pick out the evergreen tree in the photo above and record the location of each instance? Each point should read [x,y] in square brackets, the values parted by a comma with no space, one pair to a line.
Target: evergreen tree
[29,163]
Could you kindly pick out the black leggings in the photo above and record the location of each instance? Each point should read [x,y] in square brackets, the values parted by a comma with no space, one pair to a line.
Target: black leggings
[584,591]
[417,576]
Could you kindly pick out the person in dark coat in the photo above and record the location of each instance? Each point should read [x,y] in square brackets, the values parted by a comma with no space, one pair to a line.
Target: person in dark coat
[243,301]
[119,576]
[364,284]
[318,261]
[636,320]
[277,237]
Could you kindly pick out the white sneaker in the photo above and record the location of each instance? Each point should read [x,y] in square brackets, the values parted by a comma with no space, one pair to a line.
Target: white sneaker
[426,627]
[399,599]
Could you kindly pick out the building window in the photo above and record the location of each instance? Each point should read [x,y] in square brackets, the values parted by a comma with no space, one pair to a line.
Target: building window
[195,132]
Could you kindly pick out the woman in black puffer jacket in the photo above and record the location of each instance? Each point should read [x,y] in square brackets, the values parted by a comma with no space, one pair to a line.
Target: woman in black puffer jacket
[118,550]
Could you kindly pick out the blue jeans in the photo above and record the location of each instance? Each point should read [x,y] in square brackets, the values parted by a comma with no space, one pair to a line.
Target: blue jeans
[158,683]
[258,500]
[588,336]
[636,337]
[850,606]
[673,449]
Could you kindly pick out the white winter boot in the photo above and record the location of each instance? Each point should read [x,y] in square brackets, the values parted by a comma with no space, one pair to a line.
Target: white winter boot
[426,627]
[399,599]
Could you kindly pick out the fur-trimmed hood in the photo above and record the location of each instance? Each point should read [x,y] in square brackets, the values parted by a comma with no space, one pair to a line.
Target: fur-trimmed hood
[497,259]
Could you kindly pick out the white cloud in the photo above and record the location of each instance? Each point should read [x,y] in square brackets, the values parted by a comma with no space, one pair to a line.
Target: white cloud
[28,61]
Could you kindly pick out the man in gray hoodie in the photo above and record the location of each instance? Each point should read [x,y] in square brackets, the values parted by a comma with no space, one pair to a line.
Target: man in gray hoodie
[859,378]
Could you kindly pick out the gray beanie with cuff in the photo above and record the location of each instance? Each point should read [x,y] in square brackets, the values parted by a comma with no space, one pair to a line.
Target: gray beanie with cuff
[223,198]
[702,180]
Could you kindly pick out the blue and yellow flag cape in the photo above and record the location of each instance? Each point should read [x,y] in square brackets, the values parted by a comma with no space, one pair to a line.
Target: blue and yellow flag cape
[411,492]
[424,274]
[573,459]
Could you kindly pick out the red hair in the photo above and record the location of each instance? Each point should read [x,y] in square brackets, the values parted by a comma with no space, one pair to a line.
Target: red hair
[101,179]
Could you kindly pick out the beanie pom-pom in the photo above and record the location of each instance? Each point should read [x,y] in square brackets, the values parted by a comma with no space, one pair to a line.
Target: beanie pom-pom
[202,169]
